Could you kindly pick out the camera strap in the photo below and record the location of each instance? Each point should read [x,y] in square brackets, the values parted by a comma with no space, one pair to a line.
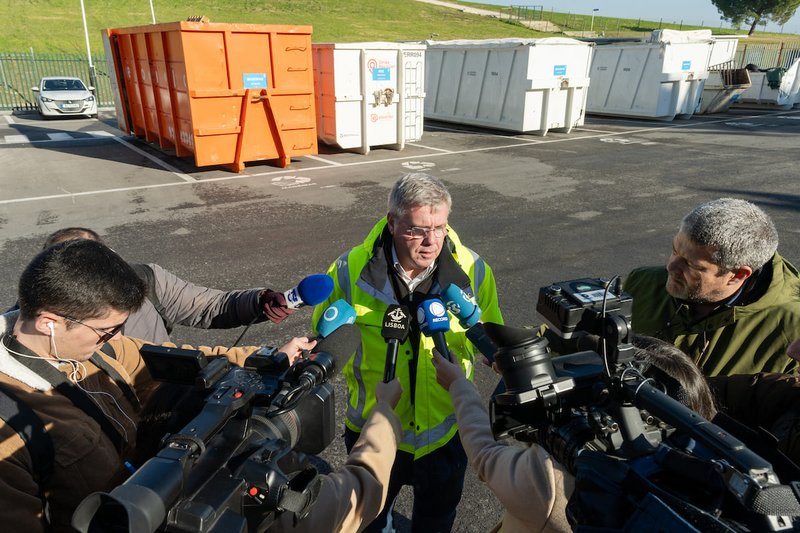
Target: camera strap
[61,383]
[111,372]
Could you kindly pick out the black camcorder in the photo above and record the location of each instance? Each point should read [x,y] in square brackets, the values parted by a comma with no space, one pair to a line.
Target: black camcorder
[241,460]
[640,456]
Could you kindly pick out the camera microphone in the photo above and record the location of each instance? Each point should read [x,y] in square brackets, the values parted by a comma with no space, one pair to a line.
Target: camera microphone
[433,322]
[469,314]
[396,324]
[329,356]
[336,315]
[311,290]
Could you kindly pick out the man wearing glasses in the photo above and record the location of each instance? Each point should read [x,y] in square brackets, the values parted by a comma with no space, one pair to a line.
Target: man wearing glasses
[74,297]
[410,255]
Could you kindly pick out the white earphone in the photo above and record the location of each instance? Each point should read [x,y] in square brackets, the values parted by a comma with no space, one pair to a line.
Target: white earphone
[52,328]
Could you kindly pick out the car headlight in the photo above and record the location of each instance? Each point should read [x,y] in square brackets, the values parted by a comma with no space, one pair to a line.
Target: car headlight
[46,99]
[90,98]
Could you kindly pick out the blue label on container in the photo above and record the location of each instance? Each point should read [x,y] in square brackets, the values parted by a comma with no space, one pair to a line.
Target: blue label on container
[559,70]
[686,65]
[254,80]
[381,74]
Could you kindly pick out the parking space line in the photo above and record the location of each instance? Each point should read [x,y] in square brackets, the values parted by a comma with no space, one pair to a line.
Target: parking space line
[15,139]
[430,148]
[60,136]
[157,161]
[581,128]
[280,171]
[323,160]
[9,119]
[100,133]
[472,132]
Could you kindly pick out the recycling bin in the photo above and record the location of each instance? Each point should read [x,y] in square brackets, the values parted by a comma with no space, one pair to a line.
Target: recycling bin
[225,94]
[369,94]
[520,85]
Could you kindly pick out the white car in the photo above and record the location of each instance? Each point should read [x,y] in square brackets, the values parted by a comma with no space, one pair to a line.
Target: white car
[62,96]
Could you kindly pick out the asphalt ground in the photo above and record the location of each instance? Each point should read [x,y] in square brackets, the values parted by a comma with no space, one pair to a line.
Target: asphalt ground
[592,203]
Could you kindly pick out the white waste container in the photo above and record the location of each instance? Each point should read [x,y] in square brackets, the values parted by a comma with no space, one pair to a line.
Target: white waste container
[521,85]
[661,78]
[369,94]
[722,89]
[761,95]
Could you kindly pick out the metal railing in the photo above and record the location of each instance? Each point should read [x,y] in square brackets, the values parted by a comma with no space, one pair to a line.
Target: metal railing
[767,55]
[19,71]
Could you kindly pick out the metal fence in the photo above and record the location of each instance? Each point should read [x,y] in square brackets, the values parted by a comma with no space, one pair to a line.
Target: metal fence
[21,71]
[767,55]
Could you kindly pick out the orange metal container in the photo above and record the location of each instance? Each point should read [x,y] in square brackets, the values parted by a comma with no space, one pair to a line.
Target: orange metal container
[225,93]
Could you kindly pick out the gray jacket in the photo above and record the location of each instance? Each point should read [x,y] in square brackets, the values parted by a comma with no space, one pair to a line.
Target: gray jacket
[171,300]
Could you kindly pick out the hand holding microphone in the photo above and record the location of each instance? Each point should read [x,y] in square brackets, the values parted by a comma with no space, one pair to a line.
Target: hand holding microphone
[312,290]
[433,322]
[469,314]
[396,324]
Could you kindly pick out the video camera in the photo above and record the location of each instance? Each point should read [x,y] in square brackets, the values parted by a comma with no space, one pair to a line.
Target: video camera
[608,419]
[241,460]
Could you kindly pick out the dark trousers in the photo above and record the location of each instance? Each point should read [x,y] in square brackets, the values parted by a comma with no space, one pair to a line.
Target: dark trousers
[438,480]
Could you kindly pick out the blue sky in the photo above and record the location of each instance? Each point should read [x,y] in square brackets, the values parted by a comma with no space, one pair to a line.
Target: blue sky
[690,11]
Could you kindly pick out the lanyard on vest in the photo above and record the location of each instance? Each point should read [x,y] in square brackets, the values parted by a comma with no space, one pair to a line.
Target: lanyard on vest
[61,383]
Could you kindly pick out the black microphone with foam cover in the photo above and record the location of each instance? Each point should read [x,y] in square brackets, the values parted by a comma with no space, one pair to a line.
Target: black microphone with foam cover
[396,325]
[329,356]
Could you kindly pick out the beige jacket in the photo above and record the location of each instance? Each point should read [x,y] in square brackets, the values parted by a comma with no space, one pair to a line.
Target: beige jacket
[530,484]
[355,494]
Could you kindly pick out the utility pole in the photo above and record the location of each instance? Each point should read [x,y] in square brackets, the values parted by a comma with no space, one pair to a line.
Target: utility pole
[92,76]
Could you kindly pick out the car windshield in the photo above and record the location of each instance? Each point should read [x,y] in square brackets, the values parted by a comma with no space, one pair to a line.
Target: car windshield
[63,85]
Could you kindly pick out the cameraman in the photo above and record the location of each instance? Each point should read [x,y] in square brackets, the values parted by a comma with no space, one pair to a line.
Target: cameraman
[77,407]
[531,485]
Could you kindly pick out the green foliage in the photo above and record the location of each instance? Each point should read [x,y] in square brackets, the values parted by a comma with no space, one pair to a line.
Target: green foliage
[755,11]
[56,25]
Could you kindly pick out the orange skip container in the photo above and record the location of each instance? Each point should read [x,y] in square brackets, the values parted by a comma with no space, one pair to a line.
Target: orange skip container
[225,93]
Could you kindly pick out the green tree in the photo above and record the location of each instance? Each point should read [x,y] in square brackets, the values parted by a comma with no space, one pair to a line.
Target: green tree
[755,11]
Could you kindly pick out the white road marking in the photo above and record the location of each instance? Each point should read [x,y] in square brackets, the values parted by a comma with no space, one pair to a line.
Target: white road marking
[163,164]
[323,160]
[16,139]
[9,119]
[60,136]
[370,162]
[431,148]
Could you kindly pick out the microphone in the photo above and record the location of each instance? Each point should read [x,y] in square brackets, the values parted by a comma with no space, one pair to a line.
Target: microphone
[469,314]
[433,322]
[336,315]
[311,290]
[396,324]
[329,356]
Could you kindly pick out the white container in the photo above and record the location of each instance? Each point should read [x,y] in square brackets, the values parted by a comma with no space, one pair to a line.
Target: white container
[369,94]
[722,88]
[658,79]
[723,49]
[520,85]
[761,95]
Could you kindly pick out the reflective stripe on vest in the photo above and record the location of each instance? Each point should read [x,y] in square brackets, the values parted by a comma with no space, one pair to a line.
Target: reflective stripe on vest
[355,414]
[430,436]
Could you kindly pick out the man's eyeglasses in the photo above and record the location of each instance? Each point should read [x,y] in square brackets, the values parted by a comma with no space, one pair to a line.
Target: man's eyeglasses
[416,232]
[105,334]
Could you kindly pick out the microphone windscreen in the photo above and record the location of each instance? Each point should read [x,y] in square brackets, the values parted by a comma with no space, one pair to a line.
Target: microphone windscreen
[336,315]
[340,344]
[461,306]
[432,316]
[396,323]
[315,289]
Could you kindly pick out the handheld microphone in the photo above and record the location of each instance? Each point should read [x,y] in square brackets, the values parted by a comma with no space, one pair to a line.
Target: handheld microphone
[433,322]
[329,356]
[396,324]
[336,315]
[311,290]
[469,314]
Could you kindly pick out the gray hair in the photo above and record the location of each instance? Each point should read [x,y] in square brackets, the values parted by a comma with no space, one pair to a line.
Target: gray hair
[417,188]
[737,232]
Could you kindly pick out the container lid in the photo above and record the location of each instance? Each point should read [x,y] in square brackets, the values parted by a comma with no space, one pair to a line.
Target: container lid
[675,36]
[510,42]
[376,45]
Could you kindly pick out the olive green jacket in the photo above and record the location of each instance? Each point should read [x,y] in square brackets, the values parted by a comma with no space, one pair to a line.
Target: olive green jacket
[741,339]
